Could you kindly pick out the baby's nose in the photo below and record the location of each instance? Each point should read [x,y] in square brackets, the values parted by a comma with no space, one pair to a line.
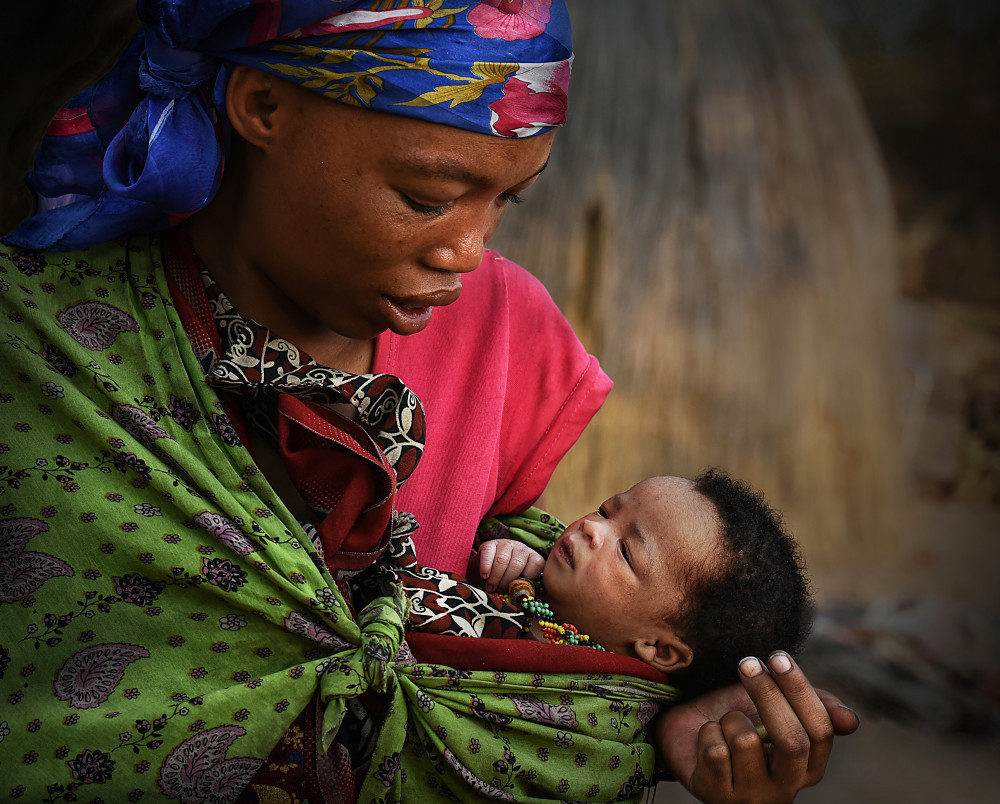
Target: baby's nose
[596,535]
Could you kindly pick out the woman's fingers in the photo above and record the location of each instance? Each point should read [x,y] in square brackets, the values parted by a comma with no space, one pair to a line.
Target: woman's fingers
[732,764]
[845,720]
[748,758]
[799,727]
[713,773]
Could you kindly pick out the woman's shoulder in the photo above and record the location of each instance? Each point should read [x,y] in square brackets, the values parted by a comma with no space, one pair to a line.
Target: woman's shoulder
[501,295]
[497,274]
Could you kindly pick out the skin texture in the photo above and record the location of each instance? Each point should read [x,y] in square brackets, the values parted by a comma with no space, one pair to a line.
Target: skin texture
[618,573]
[334,224]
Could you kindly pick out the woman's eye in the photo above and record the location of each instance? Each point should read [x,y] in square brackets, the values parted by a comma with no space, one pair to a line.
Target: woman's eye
[511,198]
[423,209]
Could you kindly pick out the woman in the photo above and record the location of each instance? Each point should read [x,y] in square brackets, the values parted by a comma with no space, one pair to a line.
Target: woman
[169,611]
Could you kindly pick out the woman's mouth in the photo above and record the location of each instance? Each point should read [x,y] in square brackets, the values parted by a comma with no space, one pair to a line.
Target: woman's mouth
[405,318]
[409,316]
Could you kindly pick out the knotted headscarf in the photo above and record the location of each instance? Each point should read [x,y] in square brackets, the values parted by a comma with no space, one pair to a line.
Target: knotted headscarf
[144,147]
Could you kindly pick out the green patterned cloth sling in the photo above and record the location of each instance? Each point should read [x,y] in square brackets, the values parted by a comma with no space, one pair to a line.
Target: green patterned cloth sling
[164,618]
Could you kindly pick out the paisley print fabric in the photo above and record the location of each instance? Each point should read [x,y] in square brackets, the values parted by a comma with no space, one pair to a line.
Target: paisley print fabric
[155,126]
[165,620]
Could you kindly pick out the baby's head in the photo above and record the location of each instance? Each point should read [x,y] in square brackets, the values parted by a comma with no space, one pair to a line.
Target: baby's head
[688,575]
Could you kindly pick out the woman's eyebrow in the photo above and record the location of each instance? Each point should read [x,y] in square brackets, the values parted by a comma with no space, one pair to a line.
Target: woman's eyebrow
[435,168]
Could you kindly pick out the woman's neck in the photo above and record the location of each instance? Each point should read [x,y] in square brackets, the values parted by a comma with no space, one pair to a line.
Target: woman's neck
[256,297]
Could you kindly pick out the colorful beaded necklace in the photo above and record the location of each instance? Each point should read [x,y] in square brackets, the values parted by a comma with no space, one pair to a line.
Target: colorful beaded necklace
[523,594]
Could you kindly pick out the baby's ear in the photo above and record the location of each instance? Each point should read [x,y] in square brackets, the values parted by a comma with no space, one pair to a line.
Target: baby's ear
[664,650]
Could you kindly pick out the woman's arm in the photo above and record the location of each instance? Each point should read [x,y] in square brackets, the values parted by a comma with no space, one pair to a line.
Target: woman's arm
[712,746]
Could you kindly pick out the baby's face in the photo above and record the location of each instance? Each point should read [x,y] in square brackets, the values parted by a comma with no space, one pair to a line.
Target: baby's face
[625,567]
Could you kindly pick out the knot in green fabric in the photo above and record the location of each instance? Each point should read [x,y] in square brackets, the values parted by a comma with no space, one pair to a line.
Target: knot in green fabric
[382,622]
[366,665]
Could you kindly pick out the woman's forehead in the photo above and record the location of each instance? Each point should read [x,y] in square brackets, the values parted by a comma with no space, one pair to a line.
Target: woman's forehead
[432,150]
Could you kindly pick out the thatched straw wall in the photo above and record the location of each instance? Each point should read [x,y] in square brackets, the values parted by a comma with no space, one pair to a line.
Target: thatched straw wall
[715,221]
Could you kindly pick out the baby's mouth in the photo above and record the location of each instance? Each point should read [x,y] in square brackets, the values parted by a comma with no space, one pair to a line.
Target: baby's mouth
[564,550]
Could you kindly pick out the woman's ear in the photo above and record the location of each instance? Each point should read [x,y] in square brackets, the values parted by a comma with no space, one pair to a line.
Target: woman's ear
[252,98]
[664,650]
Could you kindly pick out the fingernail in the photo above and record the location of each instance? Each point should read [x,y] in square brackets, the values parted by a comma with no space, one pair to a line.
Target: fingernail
[750,666]
[780,663]
[848,709]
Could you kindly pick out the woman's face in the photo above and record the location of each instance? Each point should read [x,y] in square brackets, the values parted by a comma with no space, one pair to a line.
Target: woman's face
[353,222]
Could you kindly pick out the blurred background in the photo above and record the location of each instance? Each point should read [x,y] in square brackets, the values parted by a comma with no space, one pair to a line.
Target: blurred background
[776,223]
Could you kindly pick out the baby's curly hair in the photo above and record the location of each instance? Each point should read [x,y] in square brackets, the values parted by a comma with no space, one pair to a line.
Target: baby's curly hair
[757,599]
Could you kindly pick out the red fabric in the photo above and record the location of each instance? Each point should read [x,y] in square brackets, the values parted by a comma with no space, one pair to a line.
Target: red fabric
[332,461]
[337,468]
[524,656]
[507,388]
[68,122]
[188,295]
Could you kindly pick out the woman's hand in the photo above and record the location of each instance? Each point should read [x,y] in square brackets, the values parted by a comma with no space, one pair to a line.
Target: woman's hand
[503,560]
[713,748]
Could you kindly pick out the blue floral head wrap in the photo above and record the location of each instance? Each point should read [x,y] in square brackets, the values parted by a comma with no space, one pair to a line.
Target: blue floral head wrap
[144,147]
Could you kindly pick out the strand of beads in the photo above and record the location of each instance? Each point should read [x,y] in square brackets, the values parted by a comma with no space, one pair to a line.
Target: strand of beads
[524,595]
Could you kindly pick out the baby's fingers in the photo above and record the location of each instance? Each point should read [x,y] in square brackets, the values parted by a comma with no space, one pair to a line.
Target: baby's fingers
[503,561]
[533,566]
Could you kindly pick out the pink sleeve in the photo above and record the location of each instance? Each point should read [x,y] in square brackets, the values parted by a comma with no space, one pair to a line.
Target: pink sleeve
[553,390]
[507,388]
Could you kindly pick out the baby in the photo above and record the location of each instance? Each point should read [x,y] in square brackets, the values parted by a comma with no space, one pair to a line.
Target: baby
[689,576]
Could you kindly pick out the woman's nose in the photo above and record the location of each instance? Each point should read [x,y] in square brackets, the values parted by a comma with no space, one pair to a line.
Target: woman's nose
[460,248]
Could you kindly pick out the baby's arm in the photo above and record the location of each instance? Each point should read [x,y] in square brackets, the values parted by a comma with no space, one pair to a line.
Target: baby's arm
[503,560]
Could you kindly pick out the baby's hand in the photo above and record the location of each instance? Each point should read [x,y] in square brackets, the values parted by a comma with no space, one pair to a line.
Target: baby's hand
[503,560]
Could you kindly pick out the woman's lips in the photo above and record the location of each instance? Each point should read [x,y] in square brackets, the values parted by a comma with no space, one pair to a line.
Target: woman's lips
[405,320]
[409,316]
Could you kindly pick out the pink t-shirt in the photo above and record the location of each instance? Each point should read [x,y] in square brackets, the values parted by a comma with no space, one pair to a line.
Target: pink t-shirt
[507,388]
